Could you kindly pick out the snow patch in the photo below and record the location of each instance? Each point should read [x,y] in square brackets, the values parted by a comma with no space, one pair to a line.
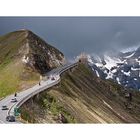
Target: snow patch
[89,59]
[130,55]
[135,69]
[97,73]
[130,49]
[99,64]
[126,73]
[109,75]
[111,62]
[114,71]
[118,80]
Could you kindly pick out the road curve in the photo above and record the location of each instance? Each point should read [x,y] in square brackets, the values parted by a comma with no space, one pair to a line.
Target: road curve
[23,96]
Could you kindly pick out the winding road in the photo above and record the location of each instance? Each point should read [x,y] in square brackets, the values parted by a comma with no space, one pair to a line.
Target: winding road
[23,96]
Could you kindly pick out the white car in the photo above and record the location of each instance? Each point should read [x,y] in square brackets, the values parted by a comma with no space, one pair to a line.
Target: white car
[14,100]
[4,107]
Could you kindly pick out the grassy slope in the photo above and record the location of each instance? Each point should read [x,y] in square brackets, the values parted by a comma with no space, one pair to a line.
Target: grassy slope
[11,68]
[9,46]
[86,98]
[12,80]
[15,76]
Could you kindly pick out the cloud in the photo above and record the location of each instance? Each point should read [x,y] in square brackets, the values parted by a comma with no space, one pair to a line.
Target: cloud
[73,35]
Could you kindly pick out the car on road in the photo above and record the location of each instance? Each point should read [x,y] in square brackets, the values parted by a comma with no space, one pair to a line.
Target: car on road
[52,78]
[14,100]
[10,118]
[4,107]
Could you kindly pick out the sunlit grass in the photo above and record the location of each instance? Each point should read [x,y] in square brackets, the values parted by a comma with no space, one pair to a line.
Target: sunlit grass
[11,78]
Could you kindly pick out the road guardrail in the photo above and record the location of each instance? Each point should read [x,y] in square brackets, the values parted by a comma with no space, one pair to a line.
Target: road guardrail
[44,87]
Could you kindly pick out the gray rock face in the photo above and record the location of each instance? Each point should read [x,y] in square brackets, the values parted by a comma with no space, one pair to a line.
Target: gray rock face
[44,56]
[40,55]
[124,68]
[29,49]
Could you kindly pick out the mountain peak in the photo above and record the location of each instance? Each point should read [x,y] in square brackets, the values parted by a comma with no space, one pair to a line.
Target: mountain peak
[26,44]
[26,32]
[124,68]
[24,56]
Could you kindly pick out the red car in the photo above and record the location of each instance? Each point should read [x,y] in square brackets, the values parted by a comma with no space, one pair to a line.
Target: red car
[52,78]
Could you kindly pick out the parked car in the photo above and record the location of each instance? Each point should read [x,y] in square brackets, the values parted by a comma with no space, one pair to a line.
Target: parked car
[4,107]
[14,100]
[10,118]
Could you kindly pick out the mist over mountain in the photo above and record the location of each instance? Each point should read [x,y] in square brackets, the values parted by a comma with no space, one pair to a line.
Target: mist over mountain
[122,67]
[73,35]
[84,95]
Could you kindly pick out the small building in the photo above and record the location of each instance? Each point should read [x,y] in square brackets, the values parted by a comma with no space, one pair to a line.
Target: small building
[82,58]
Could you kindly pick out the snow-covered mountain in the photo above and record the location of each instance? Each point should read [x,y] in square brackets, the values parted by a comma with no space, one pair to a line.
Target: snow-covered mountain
[124,68]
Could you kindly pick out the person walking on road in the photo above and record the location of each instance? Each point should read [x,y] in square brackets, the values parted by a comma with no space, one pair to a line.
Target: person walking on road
[15,94]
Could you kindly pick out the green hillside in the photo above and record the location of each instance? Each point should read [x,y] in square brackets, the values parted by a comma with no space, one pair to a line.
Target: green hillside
[23,58]
[82,97]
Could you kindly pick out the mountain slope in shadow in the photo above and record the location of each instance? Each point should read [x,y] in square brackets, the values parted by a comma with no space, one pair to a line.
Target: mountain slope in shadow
[82,97]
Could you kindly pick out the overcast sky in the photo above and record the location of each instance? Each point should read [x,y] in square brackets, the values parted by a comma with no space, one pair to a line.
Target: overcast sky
[73,35]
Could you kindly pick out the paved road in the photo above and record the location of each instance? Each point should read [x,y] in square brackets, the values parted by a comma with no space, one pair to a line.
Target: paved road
[27,94]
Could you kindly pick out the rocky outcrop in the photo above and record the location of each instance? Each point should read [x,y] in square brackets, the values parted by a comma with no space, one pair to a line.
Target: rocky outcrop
[24,56]
[124,68]
[39,55]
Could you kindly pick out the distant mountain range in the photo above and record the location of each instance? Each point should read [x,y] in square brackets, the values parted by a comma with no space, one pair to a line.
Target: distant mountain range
[124,68]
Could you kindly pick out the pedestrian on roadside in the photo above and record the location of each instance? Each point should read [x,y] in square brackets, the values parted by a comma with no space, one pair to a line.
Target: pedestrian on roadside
[15,94]
[39,83]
